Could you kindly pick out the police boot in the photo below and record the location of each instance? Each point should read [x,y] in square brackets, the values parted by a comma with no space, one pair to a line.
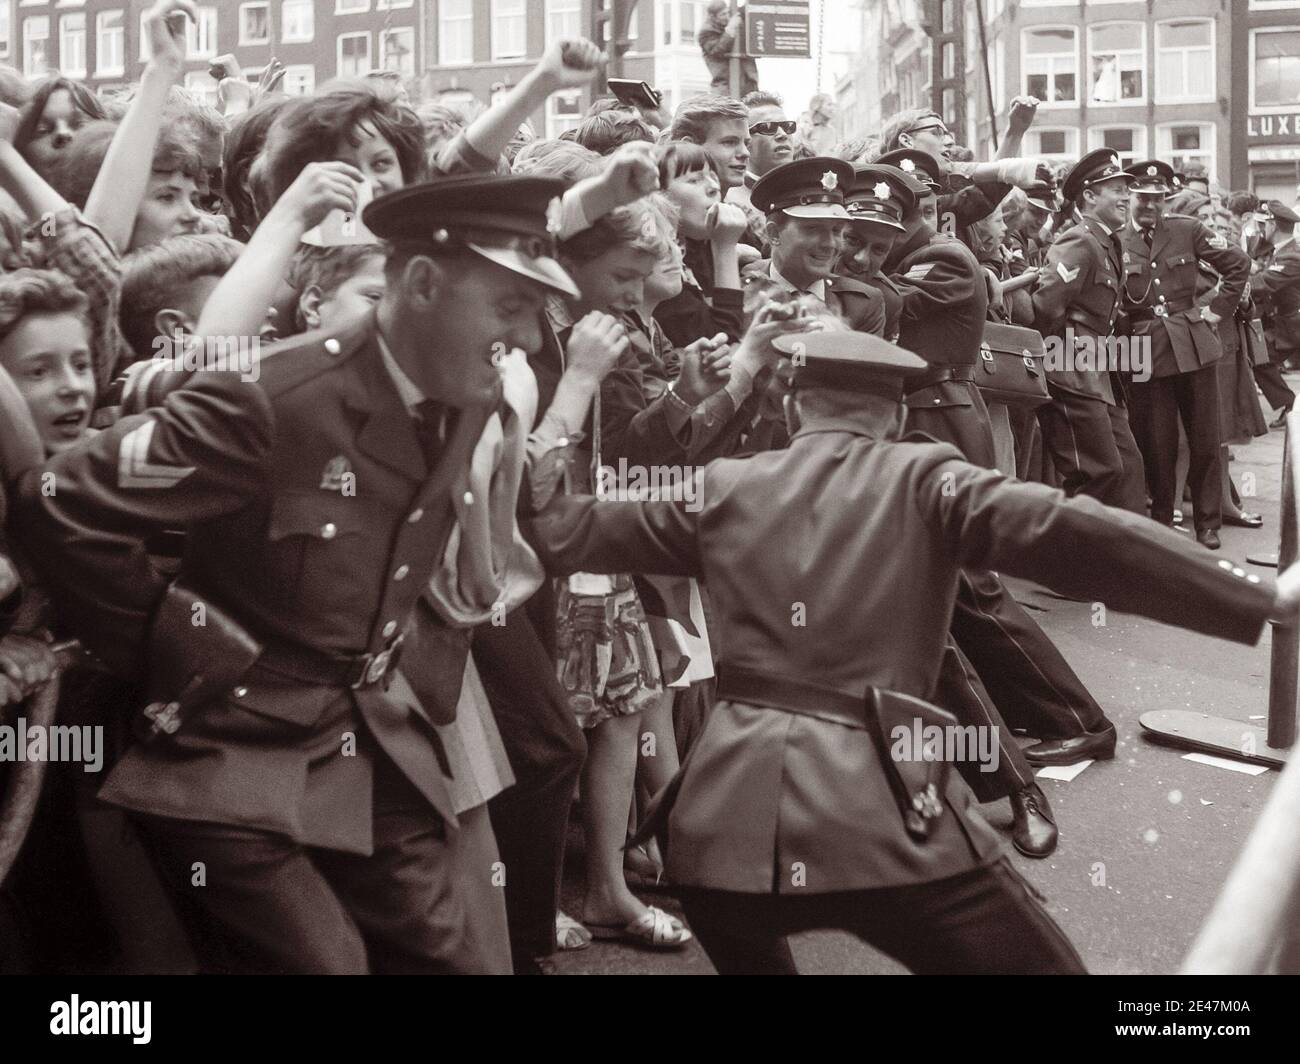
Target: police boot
[1033,832]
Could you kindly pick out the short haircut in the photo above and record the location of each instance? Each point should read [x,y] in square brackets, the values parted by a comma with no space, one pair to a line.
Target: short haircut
[557,158]
[695,117]
[601,104]
[900,124]
[328,267]
[1186,201]
[857,150]
[152,276]
[311,129]
[762,98]
[80,162]
[27,291]
[604,132]
[243,147]
[677,157]
[634,226]
[1240,203]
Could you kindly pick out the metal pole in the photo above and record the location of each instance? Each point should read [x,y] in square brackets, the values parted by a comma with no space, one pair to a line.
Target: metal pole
[988,81]
[1284,666]
[735,51]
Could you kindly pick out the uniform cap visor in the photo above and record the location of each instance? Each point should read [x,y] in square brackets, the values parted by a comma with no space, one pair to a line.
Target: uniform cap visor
[865,217]
[816,210]
[542,269]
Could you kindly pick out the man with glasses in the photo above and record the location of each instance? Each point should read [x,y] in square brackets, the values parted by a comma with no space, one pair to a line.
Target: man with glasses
[771,143]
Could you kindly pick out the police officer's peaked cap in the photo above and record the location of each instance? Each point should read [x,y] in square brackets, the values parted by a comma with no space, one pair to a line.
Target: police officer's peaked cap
[1282,212]
[1152,176]
[850,361]
[511,221]
[1043,196]
[1093,169]
[880,194]
[920,166]
[805,188]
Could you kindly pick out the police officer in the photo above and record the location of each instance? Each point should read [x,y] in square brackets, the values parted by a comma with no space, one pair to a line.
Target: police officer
[1161,257]
[804,205]
[304,812]
[1277,286]
[1268,375]
[803,804]
[1085,426]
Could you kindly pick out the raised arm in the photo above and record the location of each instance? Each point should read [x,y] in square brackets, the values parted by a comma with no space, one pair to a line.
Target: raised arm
[123,179]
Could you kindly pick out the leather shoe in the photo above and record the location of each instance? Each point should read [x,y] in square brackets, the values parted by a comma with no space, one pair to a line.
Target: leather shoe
[1033,832]
[1208,537]
[1242,519]
[1090,746]
[1280,421]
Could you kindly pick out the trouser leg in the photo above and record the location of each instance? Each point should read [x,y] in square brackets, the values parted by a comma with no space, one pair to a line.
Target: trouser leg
[1131,492]
[1077,434]
[1198,404]
[1160,445]
[1277,393]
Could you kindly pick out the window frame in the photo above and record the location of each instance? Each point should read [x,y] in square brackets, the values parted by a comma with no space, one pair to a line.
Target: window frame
[1141,49]
[467,19]
[1272,108]
[102,71]
[520,11]
[29,20]
[7,42]
[574,7]
[1026,55]
[1167,151]
[553,130]
[351,7]
[64,69]
[291,67]
[192,30]
[381,34]
[310,5]
[270,28]
[1140,140]
[1071,142]
[1156,52]
[338,52]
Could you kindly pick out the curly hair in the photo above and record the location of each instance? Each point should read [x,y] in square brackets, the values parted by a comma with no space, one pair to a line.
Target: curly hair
[27,291]
[310,129]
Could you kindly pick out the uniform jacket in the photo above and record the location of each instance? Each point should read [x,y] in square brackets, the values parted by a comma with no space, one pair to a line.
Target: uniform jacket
[860,305]
[1276,289]
[1160,290]
[311,518]
[1079,290]
[860,542]
[893,304]
[945,302]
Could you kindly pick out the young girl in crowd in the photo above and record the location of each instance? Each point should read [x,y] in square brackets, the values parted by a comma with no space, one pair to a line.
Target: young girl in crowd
[57,109]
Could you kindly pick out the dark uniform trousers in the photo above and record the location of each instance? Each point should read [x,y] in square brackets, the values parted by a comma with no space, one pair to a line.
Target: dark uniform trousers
[546,750]
[1157,406]
[1093,449]
[981,922]
[261,903]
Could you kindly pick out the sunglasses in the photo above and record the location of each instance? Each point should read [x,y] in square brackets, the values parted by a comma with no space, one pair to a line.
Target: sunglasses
[938,127]
[769,129]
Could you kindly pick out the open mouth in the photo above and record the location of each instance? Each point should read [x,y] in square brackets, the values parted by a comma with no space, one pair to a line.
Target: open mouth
[69,426]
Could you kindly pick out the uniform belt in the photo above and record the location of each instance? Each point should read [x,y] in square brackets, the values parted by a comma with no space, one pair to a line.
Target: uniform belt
[937,375]
[1145,313]
[792,695]
[325,669]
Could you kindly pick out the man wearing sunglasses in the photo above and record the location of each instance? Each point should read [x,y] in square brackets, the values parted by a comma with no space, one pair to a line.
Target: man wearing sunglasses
[771,143]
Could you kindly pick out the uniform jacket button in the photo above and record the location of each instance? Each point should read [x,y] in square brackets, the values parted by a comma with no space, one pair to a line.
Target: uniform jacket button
[332,346]
[1225,564]
[469,498]
[414,516]
[401,571]
[937,402]
[329,530]
[389,629]
[1156,281]
[240,692]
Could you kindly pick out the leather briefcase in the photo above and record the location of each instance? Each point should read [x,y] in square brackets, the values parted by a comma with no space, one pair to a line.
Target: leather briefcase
[1010,368]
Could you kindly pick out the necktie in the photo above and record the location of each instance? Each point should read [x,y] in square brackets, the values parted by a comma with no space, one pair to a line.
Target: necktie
[1148,235]
[429,430]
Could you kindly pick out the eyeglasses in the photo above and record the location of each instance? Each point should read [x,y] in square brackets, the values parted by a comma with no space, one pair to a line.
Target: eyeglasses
[938,127]
[769,129]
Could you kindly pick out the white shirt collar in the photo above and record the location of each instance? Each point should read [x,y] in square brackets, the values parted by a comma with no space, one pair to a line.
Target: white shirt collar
[818,287]
[407,390]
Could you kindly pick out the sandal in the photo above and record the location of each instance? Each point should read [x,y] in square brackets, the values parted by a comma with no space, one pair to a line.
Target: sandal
[569,934]
[654,928]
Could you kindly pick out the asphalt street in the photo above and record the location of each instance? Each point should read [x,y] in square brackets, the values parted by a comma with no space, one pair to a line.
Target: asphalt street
[1146,839]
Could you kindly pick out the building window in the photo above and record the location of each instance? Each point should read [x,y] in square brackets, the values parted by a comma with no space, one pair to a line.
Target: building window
[631,28]
[1275,68]
[385,5]
[199,84]
[72,45]
[509,29]
[110,44]
[354,55]
[563,111]
[201,36]
[1128,142]
[299,79]
[1053,144]
[298,20]
[1183,143]
[563,20]
[1051,62]
[397,51]
[351,7]
[36,46]
[5,28]
[692,20]
[1184,61]
[254,23]
[1117,62]
[455,32]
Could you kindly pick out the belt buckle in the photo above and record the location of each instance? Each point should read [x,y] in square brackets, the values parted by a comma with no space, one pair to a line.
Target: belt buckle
[377,666]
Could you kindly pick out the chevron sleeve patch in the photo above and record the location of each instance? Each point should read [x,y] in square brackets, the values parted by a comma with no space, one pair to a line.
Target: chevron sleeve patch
[1067,274]
[134,470]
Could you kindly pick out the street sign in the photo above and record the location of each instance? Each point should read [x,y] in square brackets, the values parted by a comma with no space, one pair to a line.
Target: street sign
[779,28]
